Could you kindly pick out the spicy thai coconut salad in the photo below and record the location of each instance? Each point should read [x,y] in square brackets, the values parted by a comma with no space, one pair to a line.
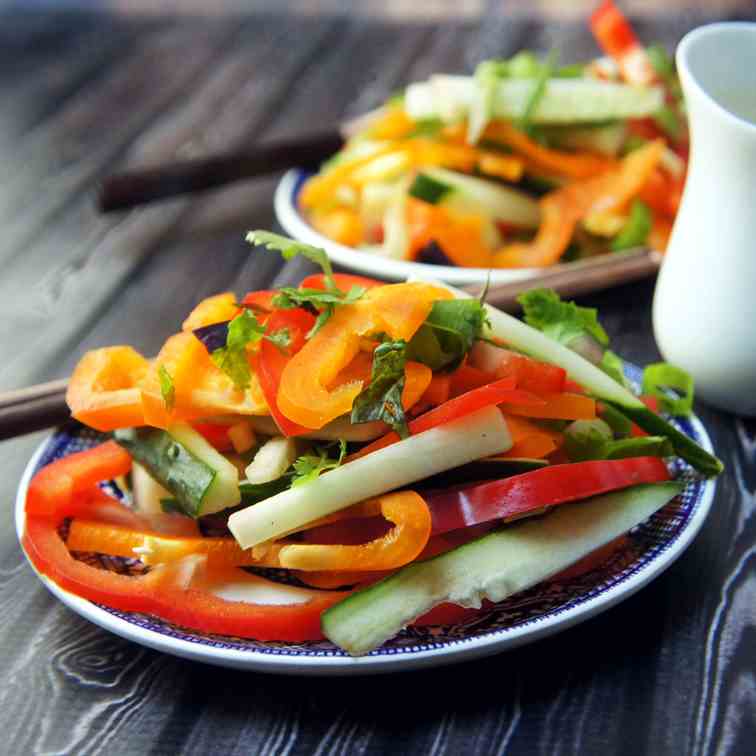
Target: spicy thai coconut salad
[371,443]
[526,163]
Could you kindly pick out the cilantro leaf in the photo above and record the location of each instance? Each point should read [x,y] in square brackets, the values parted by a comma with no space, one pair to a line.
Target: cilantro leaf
[382,398]
[290,296]
[561,321]
[308,467]
[243,330]
[167,389]
[449,331]
[289,249]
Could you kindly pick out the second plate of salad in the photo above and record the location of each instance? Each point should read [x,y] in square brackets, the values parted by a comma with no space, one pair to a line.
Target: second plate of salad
[525,165]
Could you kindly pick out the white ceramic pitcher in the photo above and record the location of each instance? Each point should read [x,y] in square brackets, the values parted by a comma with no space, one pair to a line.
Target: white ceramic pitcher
[705,302]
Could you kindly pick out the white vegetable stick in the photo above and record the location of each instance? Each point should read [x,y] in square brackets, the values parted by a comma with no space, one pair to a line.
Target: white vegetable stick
[479,434]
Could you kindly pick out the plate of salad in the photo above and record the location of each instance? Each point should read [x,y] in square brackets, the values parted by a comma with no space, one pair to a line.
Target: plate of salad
[353,476]
[524,165]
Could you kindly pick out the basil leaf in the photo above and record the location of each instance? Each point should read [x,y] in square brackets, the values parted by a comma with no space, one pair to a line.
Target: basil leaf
[381,399]
[449,331]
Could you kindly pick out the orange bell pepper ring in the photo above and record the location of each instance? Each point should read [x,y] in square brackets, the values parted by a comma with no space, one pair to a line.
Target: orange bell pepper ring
[397,310]
[562,209]
[103,392]
[403,543]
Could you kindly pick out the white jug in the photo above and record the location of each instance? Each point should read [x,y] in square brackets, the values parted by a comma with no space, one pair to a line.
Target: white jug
[704,310]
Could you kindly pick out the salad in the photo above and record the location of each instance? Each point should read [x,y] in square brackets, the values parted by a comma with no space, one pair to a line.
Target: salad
[369,443]
[526,163]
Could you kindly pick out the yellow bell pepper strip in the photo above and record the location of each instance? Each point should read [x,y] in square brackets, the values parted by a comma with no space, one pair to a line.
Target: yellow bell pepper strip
[460,236]
[397,310]
[563,406]
[574,165]
[400,545]
[507,167]
[392,123]
[216,309]
[342,224]
[563,208]
[320,189]
[103,392]
[529,441]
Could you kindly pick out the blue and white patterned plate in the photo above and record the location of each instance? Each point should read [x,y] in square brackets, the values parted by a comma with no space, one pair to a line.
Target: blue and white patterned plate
[546,609]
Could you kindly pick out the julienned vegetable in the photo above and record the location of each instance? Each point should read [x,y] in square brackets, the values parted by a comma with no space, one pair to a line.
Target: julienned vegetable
[363,403]
[525,163]
[492,567]
[479,434]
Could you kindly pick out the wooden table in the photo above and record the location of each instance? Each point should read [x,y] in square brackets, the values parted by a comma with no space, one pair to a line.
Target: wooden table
[669,671]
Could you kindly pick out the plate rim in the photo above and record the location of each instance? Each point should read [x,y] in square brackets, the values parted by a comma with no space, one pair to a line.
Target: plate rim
[465,649]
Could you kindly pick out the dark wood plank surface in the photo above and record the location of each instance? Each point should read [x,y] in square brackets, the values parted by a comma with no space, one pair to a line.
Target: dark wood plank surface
[669,671]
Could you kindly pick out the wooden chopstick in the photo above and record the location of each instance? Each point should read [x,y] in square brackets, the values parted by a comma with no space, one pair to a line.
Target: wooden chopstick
[125,190]
[31,409]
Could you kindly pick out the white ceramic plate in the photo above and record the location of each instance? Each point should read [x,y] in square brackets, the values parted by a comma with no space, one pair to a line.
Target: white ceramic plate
[544,610]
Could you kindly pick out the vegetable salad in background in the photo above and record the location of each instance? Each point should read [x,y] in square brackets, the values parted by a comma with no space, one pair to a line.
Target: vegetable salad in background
[525,164]
[369,441]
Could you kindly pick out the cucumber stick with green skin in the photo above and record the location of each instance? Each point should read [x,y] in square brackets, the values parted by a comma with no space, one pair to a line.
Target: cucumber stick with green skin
[532,342]
[493,567]
[564,101]
[201,480]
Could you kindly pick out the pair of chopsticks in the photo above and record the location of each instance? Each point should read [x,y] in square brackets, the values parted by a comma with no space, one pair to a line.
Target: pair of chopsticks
[43,406]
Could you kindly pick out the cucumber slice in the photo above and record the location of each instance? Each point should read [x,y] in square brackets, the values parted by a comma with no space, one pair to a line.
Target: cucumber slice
[428,189]
[200,479]
[493,567]
[471,194]
[479,434]
[563,100]
[146,491]
[603,140]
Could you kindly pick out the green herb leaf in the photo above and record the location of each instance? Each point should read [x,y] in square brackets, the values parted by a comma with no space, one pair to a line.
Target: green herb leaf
[308,467]
[290,296]
[167,389]
[243,330]
[281,338]
[561,321]
[289,249]
[381,399]
[668,120]
[426,127]
[636,229]
[449,331]
[661,377]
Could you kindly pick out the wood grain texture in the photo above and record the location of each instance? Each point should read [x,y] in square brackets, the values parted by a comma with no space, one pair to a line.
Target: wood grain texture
[669,671]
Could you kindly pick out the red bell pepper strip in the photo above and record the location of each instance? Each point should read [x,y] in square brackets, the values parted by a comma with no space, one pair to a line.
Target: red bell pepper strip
[493,393]
[532,491]
[532,375]
[344,281]
[260,300]
[617,38]
[269,364]
[69,486]
[215,434]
